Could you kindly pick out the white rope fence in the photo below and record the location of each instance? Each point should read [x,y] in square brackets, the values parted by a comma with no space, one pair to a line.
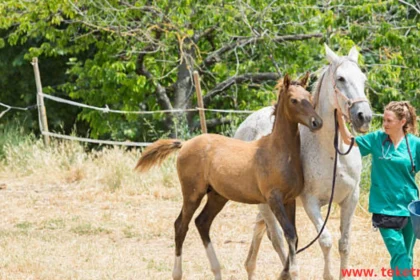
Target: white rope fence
[44,125]
[89,140]
[8,108]
[108,110]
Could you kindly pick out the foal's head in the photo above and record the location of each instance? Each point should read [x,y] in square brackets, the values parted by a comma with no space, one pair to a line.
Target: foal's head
[295,102]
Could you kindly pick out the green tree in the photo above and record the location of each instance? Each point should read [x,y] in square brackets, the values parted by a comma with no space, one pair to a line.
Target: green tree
[388,35]
[140,55]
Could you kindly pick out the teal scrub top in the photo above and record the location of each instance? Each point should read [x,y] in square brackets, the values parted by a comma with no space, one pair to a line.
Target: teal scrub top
[393,184]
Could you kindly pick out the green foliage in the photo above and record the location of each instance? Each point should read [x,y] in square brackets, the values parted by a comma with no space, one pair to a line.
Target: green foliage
[120,54]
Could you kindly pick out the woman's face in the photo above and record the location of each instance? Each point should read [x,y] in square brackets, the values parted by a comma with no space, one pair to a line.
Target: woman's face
[392,125]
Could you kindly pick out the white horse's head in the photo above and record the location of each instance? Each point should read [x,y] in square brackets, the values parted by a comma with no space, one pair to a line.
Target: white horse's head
[348,82]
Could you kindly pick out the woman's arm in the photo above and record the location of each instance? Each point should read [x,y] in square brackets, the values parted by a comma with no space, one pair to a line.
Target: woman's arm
[344,132]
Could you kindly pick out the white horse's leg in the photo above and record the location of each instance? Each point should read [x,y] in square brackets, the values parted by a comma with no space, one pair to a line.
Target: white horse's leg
[274,231]
[313,210]
[347,208]
[265,221]
[259,230]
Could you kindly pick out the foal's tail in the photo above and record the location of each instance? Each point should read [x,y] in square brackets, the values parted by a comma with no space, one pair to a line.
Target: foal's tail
[157,153]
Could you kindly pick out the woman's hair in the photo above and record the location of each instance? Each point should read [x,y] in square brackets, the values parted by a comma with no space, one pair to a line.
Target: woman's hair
[404,110]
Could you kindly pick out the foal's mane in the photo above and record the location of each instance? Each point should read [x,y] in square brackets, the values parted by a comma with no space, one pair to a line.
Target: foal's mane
[280,88]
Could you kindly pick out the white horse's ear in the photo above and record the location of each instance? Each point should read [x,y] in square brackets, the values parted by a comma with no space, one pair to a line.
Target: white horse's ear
[331,56]
[353,54]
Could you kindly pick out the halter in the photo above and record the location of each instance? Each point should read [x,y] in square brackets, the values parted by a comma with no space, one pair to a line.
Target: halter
[349,102]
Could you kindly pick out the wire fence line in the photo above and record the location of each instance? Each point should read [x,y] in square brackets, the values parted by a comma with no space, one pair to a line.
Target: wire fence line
[95,141]
[108,110]
[18,108]
[8,108]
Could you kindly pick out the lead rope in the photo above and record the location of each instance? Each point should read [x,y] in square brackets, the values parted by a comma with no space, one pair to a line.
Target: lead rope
[413,166]
[337,151]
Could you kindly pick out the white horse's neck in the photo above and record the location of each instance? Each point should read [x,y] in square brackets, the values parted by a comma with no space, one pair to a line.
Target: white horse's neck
[325,109]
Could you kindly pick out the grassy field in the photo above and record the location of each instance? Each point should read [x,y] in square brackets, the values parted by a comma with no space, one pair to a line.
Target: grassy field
[67,214]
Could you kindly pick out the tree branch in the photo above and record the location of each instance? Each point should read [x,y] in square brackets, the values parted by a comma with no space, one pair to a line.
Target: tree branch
[162,97]
[215,56]
[411,5]
[205,33]
[253,77]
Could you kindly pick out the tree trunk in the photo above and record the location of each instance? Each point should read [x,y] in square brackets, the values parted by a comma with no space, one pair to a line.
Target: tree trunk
[177,123]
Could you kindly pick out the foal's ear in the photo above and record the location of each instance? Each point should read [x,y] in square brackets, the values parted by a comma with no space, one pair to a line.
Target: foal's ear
[286,81]
[304,80]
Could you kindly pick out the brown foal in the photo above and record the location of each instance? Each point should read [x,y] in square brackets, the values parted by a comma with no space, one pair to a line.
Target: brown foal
[229,169]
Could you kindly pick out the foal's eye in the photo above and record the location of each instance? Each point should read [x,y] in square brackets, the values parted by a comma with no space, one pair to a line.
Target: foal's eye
[341,79]
[294,101]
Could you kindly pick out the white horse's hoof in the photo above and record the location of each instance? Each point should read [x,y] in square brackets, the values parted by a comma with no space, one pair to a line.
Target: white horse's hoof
[289,275]
[328,277]
[294,273]
[285,276]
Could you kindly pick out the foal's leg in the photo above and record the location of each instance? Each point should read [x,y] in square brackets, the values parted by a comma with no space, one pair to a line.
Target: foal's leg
[190,205]
[313,210]
[275,201]
[274,233]
[347,208]
[214,205]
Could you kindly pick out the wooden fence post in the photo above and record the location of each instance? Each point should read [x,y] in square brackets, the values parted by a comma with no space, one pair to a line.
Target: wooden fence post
[200,102]
[42,112]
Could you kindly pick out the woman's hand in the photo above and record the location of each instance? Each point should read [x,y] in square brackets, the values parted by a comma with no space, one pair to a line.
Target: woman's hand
[344,132]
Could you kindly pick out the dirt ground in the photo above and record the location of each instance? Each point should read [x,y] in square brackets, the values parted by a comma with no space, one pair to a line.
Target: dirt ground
[55,228]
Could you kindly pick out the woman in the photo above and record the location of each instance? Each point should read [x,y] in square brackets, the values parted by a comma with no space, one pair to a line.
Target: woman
[395,162]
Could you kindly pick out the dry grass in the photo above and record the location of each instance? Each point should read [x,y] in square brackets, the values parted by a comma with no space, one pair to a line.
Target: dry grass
[71,215]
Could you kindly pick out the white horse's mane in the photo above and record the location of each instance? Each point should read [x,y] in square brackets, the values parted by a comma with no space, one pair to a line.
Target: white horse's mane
[317,86]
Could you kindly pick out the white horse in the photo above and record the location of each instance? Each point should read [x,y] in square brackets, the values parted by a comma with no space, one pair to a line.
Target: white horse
[341,85]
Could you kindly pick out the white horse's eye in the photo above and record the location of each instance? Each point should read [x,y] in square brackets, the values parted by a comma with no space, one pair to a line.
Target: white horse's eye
[341,79]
